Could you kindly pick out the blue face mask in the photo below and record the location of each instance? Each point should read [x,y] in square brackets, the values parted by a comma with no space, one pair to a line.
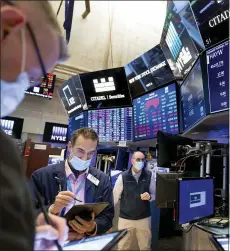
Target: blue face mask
[78,164]
[139,165]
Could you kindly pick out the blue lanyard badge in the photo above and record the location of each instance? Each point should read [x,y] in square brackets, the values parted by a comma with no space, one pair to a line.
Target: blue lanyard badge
[69,187]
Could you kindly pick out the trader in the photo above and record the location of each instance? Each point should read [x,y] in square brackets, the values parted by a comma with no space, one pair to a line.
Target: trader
[74,178]
[135,189]
[30,44]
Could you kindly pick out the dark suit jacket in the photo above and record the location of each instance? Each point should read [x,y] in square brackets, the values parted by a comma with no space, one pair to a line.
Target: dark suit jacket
[17,227]
[45,182]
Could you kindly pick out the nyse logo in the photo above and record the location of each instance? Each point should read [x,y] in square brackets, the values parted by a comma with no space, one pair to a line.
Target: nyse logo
[7,126]
[104,85]
[184,57]
[59,133]
[197,199]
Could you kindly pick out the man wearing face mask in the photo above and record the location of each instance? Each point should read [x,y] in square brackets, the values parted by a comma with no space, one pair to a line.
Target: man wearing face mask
[24,57]
[74,182]
[135,188]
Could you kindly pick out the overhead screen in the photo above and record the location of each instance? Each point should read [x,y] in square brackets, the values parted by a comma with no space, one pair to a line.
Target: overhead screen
[177,44]
[107,88]
[45,89]
[218,77]
[72,96]
[76,123]
[55,133]
[148,72]
[192,100]
[112,124]
[12,126]
[155,111]
[213,20]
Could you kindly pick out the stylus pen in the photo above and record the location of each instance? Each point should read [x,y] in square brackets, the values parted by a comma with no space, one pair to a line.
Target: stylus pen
[47,219]
[77,199]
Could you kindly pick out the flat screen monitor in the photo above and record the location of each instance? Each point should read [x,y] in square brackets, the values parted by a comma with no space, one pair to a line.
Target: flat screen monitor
[55,133]
[166,189]
[76,123]
[114,124]
[192,101]
[167,148]
[72,96]
[177,44]
[12,126]
[45,89]
[195,199]
[105,89]
[213,20]
[218,77]
[155,111]
[148,72]
[55,159]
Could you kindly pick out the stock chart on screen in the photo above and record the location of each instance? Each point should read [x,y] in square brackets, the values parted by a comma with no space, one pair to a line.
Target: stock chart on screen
[156,111]
[218,77]
[112,124]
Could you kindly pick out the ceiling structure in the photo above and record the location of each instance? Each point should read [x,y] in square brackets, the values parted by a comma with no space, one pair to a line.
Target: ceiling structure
[112,34]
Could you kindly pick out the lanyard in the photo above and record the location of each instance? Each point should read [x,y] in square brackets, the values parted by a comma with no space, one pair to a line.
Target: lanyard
[69,187]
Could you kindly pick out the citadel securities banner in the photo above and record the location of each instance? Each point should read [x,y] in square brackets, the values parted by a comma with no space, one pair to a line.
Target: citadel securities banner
[212,18]
[105,89]
[56,133]
[177,44]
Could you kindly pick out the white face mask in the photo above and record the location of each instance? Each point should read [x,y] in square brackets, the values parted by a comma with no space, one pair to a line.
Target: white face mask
[78,164]
[12,93]
[139,165]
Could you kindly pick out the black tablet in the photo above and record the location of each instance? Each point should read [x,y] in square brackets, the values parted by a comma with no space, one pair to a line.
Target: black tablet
[102,242]
[221,242]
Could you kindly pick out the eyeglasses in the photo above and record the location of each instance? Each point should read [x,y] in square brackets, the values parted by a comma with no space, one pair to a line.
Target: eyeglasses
[42,65]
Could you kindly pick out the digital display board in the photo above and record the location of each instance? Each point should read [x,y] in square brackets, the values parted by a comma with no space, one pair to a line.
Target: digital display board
[177,44]
[148,72]
[72,96]
[56,133]
[112,124]
[192,98]
[155,111]
[213,20]
[45,89]
[107,88]
[76,123]
[218,77]
[12,126]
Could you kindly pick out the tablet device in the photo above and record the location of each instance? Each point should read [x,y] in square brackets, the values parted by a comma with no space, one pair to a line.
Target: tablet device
[102,242]
[221,242]
[78,210]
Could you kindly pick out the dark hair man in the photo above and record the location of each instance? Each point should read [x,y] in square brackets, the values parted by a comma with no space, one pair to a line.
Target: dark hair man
[135,188]
[31,43]
[74,178]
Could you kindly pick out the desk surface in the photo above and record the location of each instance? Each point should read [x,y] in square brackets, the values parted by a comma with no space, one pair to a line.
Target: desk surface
[214,230]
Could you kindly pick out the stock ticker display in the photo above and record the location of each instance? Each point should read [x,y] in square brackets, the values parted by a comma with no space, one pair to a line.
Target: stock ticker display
[45,89]
[112,124]
[76,123]
[155,111]
[218,77]
[192,98]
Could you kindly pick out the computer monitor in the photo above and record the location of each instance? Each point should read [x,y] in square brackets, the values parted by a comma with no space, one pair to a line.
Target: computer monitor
[166,189]
[167,148]
[195,199]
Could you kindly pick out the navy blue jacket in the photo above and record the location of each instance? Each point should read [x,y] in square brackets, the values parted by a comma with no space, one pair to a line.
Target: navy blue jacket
[47,181]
